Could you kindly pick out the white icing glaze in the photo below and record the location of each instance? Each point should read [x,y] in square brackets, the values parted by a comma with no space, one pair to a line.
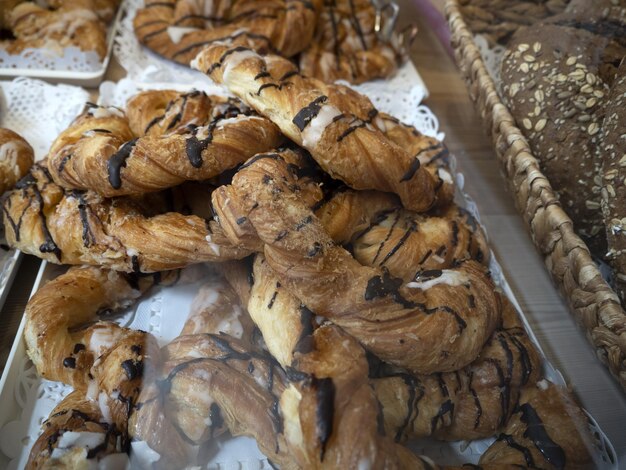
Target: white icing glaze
[141,455]
[233,60]
[444,175]
[176,33]
[313,132]
[88,440]
[102,339]
[104,407]
[448,277]
[105,112]
[92,390]
[543,384]
[213,246]
[231,324]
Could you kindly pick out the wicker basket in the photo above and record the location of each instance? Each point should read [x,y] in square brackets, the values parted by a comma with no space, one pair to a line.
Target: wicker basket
[592,301]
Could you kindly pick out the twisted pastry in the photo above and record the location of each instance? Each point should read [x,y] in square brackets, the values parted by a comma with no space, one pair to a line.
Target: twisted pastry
[178,30]
[196,137]
[437,323]
[105,9]
[331,121]
[548,430]
[16,158]
[76,434]
[380,233]
[64,336]
[347,47]
[69,25]
[104,362]
[72,227]
[471,403]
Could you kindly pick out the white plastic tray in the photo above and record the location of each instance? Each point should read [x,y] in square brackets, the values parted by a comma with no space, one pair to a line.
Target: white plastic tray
[83,78]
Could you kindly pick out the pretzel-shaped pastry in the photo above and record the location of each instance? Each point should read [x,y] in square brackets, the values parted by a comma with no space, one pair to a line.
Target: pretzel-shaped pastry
[76,433]
[104,362]
[471,403]
[421,326]
[70,25]
[72,227]
[16,158]
[331,121]
[178,30]
[192,136]
[346,45]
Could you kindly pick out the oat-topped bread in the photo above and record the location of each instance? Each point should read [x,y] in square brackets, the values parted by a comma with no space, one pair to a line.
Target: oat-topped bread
[552,83]
[497,20]
[612,158]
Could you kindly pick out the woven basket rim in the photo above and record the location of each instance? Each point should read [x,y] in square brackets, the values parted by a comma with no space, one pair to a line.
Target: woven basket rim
[593,303]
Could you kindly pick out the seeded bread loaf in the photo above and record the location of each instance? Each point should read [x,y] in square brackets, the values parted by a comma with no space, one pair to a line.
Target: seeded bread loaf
[612,158]
[551,84]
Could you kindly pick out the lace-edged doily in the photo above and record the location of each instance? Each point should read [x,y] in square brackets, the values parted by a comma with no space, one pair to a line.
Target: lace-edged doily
[401,95]
[39,111]
[491,55]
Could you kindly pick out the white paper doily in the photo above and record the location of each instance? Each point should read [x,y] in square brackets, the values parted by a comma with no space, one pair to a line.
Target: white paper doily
[401,95]
[39,111]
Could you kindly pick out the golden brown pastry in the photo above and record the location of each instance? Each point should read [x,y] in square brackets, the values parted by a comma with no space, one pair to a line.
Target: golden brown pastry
[178,30]
[75,435]
[380,233]
[548,431]
[331,121]
[73,227]
[346,45]
[439,322]
[195,137]
[16,158]
[70,25]
[64,334]
[104,362]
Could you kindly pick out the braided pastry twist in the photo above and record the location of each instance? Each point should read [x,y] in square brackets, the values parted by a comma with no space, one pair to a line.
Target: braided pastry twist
[16,158]
[104,362]
[331,121]
[380,233]
[471,403]
[189,136]
[178,30]
[69,25]
[422,326]
[72,227]
[346,45]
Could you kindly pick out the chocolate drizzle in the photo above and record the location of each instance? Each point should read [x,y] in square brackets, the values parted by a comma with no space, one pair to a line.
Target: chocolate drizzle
[510,441]
[385,285]
[117,161]
[309,112]
[325,397]
[536,432]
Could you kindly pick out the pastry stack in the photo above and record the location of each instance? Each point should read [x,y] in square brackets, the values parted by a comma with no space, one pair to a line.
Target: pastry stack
[348,308]
[56,24]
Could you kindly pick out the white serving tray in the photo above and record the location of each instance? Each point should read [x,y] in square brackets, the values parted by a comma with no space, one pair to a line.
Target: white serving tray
[72,77]
[27,399]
